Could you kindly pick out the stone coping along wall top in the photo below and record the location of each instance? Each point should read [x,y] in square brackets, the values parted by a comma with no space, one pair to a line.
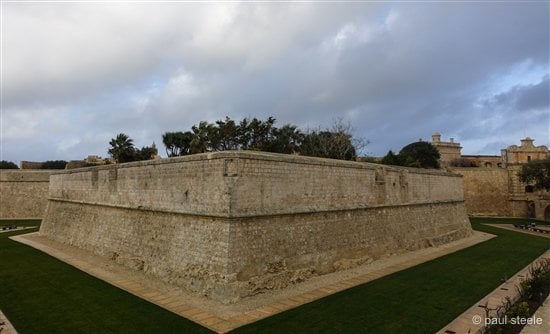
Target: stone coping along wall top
[268,156]
[16,175]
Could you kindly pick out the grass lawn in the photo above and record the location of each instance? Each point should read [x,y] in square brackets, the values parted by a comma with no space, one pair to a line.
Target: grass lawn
[40,294]
[421,299]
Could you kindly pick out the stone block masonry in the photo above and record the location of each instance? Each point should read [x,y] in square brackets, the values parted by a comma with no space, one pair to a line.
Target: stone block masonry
[23,194]
[486,191]
[228,225]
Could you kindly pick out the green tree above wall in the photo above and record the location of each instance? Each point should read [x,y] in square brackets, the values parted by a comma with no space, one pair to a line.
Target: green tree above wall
[123,150]
[419,154]
[262,135]
[8,165]
[537,173]
[391,159]
[54,164]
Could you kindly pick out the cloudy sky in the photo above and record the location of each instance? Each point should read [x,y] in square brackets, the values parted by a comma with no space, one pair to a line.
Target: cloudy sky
[76,74]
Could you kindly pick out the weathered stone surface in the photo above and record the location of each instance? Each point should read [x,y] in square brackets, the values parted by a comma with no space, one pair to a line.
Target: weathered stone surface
[486,191]
[491,183]
[23,194]
[233,224]
[498,192]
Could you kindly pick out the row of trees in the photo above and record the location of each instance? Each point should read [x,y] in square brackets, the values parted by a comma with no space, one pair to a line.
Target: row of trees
[260,135]
[50,164]
[4,164]
[255,134]
[54,164]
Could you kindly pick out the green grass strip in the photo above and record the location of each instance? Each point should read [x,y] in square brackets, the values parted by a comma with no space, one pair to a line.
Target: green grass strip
[421,299]
[40,294]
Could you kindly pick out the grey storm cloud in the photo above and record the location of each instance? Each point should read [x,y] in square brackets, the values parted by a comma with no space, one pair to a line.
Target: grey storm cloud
[535,97]
[75,74]
[526,98]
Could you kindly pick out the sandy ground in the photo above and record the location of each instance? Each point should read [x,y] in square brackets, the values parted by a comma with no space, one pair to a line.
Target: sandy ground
[5,325]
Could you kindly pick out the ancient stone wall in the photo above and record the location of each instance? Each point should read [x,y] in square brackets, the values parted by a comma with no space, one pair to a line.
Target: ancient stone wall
[232,224]
[23,194]
[31,165]
[499,192]
[196,185]
[486,192]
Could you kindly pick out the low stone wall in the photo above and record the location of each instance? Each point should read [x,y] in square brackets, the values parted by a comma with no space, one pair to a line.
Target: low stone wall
[23,194]
[232,224]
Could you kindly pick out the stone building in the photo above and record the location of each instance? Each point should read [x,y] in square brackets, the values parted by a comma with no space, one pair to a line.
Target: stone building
[449,150]
[90,160]
[31,165]
[487,161]
[491,182]
[526,152]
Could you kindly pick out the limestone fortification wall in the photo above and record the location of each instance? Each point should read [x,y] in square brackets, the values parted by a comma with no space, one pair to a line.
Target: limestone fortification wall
[490,192]
[232,224]
[486,191]
[23,194]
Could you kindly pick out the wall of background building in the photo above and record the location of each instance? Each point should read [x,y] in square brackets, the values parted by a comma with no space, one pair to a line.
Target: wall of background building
[486,191]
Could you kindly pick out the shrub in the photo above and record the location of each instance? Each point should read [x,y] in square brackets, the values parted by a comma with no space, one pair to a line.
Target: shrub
[54,164]
[8,165]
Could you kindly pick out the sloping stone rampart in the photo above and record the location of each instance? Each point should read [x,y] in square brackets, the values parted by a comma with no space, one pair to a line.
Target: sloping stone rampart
[232,224]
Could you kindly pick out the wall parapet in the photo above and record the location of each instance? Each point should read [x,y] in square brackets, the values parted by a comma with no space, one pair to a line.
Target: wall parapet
[240,183]
[258,155]
[25,175]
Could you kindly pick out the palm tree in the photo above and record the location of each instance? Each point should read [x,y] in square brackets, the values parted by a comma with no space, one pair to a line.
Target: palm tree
[122,148]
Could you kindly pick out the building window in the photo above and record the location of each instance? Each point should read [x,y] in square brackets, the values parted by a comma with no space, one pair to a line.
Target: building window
[529,189]
[528,158]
